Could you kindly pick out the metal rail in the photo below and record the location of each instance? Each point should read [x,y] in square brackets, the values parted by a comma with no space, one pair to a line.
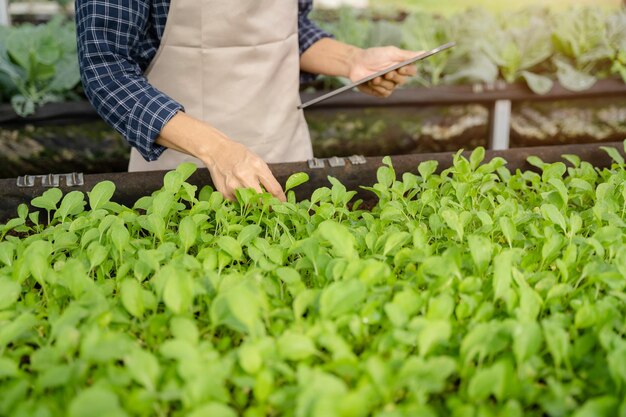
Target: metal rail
[498,98]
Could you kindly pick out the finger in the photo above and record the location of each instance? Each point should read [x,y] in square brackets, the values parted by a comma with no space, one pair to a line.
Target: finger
[382,92]
[391,76]
[370,90]
[252,183]
[408,70]
[272,186]
[384,84]
[395,77]
[231,184]
[384,89]
[220,184]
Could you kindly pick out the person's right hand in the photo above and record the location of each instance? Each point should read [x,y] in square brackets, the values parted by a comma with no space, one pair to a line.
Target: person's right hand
[235,166]
[230,164]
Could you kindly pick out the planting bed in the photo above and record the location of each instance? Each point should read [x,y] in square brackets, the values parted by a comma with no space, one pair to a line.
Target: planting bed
[475,290]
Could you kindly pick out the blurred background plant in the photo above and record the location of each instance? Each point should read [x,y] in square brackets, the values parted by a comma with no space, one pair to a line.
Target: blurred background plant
[536,45]
[38,64]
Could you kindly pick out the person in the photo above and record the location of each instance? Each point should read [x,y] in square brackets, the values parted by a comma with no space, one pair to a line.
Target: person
[215,82]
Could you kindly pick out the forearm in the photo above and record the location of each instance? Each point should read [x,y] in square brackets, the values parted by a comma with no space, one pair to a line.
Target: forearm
[329,57]
[185,134]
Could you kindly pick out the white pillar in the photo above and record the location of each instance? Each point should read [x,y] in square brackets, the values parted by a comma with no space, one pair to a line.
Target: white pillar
[500,125]
[5,20]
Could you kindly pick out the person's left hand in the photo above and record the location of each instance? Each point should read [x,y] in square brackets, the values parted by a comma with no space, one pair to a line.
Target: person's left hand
[371,60]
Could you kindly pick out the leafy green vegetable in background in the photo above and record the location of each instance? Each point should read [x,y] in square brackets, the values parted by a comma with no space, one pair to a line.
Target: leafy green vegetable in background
[534,45]
[38,64]
[468,291]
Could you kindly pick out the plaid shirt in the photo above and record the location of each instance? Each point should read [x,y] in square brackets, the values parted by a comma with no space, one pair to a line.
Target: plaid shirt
[117,40]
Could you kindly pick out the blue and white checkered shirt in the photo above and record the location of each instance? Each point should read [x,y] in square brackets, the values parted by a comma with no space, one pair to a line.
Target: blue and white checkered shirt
[117,39]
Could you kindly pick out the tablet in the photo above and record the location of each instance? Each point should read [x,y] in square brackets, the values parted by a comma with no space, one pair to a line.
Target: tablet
[340,90]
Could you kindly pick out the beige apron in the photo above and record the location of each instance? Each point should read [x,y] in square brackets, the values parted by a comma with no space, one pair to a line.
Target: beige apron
[236,66]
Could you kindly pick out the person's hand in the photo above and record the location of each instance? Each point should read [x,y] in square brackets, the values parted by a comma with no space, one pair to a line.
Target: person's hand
[235,166]
[230,164]
[371,60]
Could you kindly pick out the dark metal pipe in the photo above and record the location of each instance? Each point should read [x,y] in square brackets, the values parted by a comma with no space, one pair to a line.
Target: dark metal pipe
[132,186]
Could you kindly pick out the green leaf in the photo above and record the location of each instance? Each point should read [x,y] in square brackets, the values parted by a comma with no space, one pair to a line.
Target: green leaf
[341,297]
[248,233]
[395,241]
[617,364]
[614,154]
[178,291]
[502,275]
[571,78]
[527,340]
[66,74]
[481,250]
[185,329]
[604,406]
[9,292]
[56,376]
[186,169]
[37,253]
[530,302]
[339,236]
[172,182]
[440,307]
[509,230]
[586,316]
[187,232]
[132,297]
[427,168]
[72,204]
[8,368]
[230,246]
[497,379]
[539,84]
[120,237]
[558,342]
[95,402]
[96,253]
[250,358]
[163,201]
[11,331]
[536,162]
[296,179]
[552,214]
[427,375]
[7,253]
[101,194]
[213,409]
[433,333]
[294,346]
[48,200]
[239,308]
[143,367]
[22,211]
[385,174]
[476,157]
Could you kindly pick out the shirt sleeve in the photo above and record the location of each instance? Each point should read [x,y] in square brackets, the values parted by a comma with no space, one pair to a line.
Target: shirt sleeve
[107,32]
[308,33]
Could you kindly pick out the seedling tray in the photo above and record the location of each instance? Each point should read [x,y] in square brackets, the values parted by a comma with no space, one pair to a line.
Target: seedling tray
[131,186]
